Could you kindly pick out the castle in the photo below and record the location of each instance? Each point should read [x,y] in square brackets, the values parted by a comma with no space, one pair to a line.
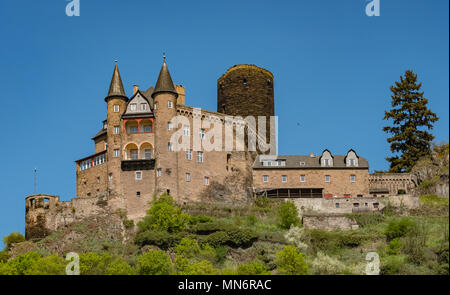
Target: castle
[135,157]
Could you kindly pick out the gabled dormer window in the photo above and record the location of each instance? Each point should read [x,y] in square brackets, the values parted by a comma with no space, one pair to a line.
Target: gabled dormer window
[143,106]
[133,107]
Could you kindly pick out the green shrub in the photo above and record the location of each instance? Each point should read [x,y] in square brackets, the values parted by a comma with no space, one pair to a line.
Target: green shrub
[21,263]
[4,256]
[366,219]
[50,265]
[203,267]
[414,243]
[291,262]
[326,265]
[120,267]
[161,239]
[350,239]
[322,240]
[399,228]
[288,214]
[207,252]
[164,215]
[7,270]
[221,253]
[187,248]
[253,268]
[392,265]
[251,219]
[394,247]
[154,262]
[12,239]
[216,239]
[241,237]
[210,227]
[433,200]
[94,264]
[200,219]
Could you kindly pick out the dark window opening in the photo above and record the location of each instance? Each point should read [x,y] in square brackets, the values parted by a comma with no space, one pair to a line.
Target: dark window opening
[138,194]
[244,82]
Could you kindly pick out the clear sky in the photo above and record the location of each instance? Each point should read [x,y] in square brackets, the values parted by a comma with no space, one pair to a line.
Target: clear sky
[333,67]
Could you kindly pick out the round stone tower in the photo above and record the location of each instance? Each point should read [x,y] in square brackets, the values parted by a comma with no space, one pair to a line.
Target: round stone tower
[246,90]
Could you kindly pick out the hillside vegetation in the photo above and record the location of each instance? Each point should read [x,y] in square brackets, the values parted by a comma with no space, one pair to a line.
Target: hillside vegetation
[265,237]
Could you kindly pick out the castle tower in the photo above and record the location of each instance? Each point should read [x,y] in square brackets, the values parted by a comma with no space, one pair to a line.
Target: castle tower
[116,105]
[165,101]
[246,90]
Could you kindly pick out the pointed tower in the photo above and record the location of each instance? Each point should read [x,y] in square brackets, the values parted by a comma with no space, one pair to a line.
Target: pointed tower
[165,102]
[116,101]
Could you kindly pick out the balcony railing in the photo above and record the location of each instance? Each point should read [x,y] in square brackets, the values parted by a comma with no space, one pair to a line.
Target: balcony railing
[135,165]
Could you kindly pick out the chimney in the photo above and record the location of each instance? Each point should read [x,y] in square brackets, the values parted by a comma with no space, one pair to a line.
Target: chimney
[135,89]
[311,155]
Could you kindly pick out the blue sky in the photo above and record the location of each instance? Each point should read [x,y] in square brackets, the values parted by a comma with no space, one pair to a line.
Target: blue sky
[333,67]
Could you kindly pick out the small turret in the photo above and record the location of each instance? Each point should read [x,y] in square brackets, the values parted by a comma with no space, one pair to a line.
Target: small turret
[116,87]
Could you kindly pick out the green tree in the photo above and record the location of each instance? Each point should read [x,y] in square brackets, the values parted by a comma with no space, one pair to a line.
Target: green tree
[253,268]
[399,228]
[187,248]
[164,215]
[13,238]
[411,119]
[288,214]
[7,270]
[50,265]
[154,262]
[291,262]
[203,267]
[4,256]
[120,267]
[94,264]
[23,262]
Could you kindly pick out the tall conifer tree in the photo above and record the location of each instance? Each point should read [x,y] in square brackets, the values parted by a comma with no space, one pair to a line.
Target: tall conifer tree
[411,121]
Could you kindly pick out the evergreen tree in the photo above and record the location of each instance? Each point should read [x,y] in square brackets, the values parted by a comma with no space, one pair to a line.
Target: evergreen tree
[411,119]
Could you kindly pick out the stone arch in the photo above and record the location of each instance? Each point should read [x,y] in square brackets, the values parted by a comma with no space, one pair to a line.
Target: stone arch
[131,151]
[146,151]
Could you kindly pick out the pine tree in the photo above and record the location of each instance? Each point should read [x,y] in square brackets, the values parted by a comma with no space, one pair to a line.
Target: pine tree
[411,119]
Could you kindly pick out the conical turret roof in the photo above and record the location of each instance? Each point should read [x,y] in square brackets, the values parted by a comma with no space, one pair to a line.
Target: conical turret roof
[164,83]
[116,87]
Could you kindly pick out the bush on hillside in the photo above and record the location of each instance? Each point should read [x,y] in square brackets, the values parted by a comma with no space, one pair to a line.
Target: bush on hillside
[154,262]
[399,228]
[291,262]
[12,239]
[288,215]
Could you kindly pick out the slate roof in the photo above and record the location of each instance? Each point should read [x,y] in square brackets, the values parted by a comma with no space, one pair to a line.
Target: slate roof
[116,87]
[293,162]
[164,83]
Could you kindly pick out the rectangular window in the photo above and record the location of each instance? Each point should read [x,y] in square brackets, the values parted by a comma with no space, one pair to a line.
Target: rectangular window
[169,104]
[116,129]
[134,129]
[158,172]
[138,175]
[327,178]
[148,154]
[302,164]
[155,105]
[170,147]
[355,205]
[133,107]
[200,157]
[110,176]
[265,178]
[283,178]
[189,154]
[375,205]
[337,205]
[186,130]
[147,128]
[116,153]
[143,106]
[327,162]
[302,178]
[206,180]
[134,154]
[116,108]
[352,178]
[188,177]
[202,133]
[169,126]
[138,194]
